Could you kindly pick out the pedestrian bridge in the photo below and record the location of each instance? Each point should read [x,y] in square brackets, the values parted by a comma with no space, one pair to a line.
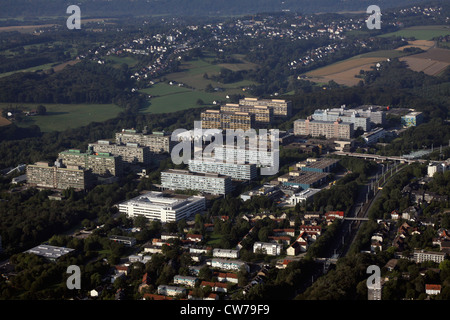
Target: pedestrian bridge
[356,218]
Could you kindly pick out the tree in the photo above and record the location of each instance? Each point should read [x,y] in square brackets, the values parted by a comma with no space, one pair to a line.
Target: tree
[209,88]
[140,222]
[41,110]
[205,273]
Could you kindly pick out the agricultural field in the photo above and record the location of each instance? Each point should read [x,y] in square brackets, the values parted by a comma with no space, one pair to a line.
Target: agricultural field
[25,28]
[421,44]
[432,62]
[344,72]
[60,117]
[420,32]
[4,121]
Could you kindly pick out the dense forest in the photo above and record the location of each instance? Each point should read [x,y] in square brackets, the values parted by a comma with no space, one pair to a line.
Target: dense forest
[84,82]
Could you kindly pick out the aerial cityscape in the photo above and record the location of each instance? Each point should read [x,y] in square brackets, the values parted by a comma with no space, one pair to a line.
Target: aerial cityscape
[263,151]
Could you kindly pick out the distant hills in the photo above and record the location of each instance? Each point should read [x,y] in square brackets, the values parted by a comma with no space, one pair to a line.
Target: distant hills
[116,8]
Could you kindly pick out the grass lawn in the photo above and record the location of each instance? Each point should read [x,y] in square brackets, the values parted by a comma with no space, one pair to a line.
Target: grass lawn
[214,239]
[421,32]
[64,116]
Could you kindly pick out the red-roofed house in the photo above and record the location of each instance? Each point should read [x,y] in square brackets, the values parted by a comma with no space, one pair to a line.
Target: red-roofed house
[215,286]
[432,288]
[331,215]
[226,277]
[194,237]
[149,296]
[284,232]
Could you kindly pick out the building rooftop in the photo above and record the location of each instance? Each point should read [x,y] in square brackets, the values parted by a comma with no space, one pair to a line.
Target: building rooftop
[186,172]
[304,177]
[161,200]
[321,163]
[50,252]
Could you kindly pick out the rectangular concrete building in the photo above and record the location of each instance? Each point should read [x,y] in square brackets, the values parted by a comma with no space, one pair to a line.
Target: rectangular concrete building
[281,108]
[52,177]
[263,114]
[163,207]
[317,128]
[212,183]
[131,153]
[234,170]
[100,163]
[157,142]
[216,119]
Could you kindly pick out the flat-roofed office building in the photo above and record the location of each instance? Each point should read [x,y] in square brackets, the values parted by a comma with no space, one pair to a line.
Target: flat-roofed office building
[234,170]
[412,119]
[281,108]
[49,252]
[316,128]
[212,183]
[317,165]
[163,207]
[101,163]
[346,116]
[131,153]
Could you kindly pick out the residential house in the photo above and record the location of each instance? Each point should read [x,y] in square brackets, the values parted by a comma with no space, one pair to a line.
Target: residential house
[298,246]
[185,280]
[332,215]
[284,232]
[194,237]
[313,232]
[149,296]
[215,286]
[145,283]
[226,277]
[226,253]
[269,248]
[432,289]
[227,264]
[171,290]
[422,255]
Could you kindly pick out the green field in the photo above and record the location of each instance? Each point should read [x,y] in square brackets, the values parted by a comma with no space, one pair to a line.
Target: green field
[380,54]
[32,69]
[171,98]
[421,32]
[167,98]
[129,61]
[191,73]
[60,117]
